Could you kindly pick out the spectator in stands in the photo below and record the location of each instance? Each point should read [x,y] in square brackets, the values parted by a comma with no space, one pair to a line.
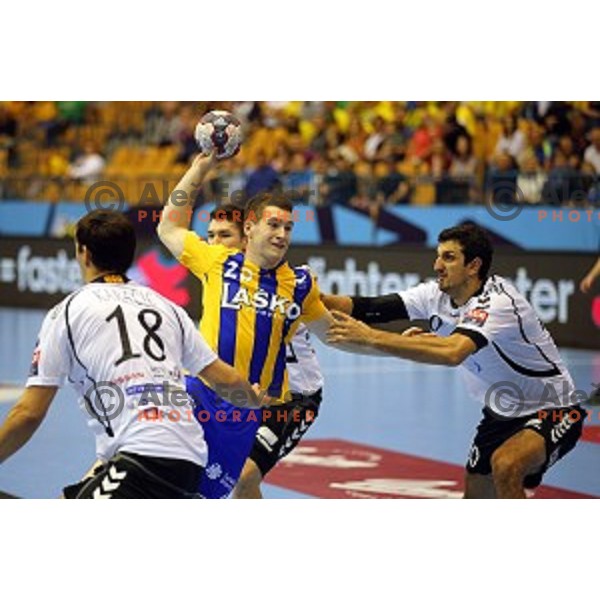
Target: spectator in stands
[539,145]
[405,133]
[564,182]
[439,159]
[392,186]
[451,128]
[531,179]
[556,119]
[8,132]
[512,141]
[464,164]
[263,179]
[163,126]
[502,180]
[88,167]
[364,199]
[566,146]
[185,137]
[229,184]
[422,140]
[591,110]
[340,184]
[578,133]
[591,183]
[592,152]
[314,133]
[375,139]
[299,178]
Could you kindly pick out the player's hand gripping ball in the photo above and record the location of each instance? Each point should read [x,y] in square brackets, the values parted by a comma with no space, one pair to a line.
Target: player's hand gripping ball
[219,130]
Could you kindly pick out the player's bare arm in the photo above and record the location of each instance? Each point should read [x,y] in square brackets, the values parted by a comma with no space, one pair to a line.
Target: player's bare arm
[586,283]
[431,349]
[24,418]
[321,328]
[177,213]
[340,303]
[231,385]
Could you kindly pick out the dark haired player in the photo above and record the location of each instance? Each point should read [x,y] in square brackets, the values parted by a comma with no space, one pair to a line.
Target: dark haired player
[119,345]
[483,324]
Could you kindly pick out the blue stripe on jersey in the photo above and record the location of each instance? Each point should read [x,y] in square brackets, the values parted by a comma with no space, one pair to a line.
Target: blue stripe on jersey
[262,328]
[300,294]
[228,316]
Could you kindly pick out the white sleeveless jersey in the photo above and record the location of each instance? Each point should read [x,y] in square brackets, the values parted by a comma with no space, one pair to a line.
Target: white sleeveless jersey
[122,347]
[517,369]
[304,373]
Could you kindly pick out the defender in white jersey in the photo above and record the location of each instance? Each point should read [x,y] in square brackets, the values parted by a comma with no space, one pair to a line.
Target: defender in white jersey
[282,427]
[531,416]
[122,347]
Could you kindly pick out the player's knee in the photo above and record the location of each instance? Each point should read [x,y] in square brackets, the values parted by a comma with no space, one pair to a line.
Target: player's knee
[505,468]
[250,476]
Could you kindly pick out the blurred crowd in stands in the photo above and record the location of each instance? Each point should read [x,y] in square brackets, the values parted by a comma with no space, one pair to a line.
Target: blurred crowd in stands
[361,154]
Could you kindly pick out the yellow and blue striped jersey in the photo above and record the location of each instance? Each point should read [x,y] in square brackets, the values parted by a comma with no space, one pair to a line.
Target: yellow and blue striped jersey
[249,313]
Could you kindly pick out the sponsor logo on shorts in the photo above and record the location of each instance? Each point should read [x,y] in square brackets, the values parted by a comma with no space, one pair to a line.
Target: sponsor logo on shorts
[474,456]
[214,471]
[294,438]
[534,424]
[266,437]
[558,431]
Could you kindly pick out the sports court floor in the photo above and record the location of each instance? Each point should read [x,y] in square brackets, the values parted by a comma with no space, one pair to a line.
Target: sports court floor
[387,428]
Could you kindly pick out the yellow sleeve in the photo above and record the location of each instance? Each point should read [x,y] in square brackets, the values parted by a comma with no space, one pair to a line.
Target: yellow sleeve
[313,307]
[198,256]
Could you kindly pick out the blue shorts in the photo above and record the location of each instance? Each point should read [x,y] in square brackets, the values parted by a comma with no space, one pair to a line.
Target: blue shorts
[229,432]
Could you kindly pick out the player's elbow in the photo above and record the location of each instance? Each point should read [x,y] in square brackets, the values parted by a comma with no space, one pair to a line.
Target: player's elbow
[164,229]
[172,237]
[232,380]
[29,418]
[454,357]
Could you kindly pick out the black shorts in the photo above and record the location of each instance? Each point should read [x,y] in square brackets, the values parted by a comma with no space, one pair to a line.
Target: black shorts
[560,428]
[127,475]
[282,428]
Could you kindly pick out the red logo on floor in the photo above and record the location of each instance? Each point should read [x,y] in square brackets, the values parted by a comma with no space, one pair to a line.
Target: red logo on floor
[341,469]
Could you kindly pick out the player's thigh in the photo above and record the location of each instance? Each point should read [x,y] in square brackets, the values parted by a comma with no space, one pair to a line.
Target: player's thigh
[523,453]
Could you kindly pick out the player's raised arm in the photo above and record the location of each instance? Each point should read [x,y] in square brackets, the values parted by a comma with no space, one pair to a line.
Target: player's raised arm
[586,283]
[177,213]
[24,418]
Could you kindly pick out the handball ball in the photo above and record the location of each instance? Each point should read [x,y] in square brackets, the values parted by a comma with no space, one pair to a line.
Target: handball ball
[219,130]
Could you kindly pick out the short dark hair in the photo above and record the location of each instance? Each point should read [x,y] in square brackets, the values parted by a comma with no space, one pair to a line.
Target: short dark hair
[231,213]
[257,204]
[474,242]
[110,238]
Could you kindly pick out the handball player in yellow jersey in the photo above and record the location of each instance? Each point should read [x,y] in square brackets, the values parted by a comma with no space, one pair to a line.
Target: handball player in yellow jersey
[253,303]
